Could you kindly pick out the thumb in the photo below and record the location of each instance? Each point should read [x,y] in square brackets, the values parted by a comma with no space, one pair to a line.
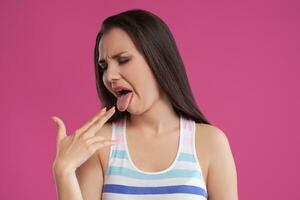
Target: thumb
[61,133]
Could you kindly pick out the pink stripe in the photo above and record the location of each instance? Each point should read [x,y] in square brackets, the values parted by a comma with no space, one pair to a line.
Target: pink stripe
[119,137]
[187,141]
[187,125]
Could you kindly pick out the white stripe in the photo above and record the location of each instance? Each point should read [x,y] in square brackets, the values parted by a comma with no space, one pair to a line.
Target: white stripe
[117,162]
[184,148]
[113,196]
[112,179]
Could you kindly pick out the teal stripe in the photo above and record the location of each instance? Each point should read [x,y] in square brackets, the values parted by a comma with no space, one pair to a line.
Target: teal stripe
[119,154]
[122,154]
[175,173]
[186,157]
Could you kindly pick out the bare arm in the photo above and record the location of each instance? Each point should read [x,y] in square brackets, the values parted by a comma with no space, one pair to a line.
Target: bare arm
[90,173]
[84,183]
[77,158]
[66,184]
[222,175]
[90,178]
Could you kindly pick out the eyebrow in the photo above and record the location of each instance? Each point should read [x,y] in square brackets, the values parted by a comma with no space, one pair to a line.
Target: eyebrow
[114,56]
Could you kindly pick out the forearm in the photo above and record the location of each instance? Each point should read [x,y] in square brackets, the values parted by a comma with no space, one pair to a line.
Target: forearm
[67,185]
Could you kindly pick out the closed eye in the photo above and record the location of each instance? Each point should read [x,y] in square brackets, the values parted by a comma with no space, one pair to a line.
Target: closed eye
[103,65]
[121,62]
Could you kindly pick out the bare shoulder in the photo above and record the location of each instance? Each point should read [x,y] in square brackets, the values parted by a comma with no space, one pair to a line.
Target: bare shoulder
[214,147]
[210,131]
[207,138]
[212,136]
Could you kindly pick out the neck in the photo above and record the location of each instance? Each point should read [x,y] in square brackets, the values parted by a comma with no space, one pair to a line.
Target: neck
[158,119]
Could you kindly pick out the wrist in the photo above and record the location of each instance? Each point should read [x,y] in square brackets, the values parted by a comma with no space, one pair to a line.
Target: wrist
[61,170]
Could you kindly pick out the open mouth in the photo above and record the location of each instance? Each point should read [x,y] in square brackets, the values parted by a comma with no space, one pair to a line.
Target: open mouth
[123,92]
[124,98]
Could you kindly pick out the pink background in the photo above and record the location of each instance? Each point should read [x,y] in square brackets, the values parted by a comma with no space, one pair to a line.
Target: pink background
[242,60]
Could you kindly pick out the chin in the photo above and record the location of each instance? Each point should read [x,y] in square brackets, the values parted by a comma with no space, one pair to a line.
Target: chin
[133,110]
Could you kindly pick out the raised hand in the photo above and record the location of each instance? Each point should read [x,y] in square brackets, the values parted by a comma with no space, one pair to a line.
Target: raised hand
[72,151]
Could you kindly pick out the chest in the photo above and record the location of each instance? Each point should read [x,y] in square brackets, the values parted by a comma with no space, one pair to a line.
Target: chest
[152,154]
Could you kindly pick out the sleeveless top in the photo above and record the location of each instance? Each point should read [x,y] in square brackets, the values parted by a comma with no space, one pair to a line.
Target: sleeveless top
[181,180]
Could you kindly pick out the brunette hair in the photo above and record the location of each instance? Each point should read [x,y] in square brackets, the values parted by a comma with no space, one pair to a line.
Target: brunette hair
[153,39]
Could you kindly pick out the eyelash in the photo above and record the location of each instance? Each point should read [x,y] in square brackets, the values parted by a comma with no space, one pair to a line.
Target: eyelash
[121,62]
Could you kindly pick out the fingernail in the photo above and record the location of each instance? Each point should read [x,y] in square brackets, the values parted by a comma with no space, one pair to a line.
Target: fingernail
[103,109]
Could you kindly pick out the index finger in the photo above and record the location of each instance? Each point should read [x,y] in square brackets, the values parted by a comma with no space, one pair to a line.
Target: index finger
[99,123]
[91,121]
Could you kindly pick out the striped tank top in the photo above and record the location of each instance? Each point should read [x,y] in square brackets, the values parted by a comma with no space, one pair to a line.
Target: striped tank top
[183,179]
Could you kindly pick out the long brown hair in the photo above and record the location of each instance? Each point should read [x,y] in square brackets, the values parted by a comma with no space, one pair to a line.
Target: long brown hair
[153,39]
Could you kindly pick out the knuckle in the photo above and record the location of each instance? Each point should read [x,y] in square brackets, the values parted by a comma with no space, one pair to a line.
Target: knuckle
[100,138]
[101,119]
[91,148]
[80,138]
[83,137]
[86,143]
[98,124]
[77,133]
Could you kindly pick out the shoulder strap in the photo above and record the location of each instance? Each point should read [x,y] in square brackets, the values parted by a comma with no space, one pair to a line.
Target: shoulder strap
[187,135]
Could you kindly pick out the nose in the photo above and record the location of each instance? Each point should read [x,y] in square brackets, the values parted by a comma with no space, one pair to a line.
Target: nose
[112,73]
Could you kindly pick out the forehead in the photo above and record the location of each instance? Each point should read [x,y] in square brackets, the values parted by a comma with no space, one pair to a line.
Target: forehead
[114,41]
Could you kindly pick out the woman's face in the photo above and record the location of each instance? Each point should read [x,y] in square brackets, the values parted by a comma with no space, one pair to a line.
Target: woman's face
[128,69]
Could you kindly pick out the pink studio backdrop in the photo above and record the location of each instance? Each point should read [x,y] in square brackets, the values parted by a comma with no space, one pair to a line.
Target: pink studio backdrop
[242,60]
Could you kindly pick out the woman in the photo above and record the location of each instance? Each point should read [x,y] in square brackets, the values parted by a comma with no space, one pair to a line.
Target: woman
[153,142]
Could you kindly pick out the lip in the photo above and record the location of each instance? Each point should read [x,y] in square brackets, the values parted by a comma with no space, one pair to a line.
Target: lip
[119,88]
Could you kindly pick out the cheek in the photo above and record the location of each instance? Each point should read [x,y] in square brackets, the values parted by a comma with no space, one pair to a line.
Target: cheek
[147,87]
[104,81]
[106,84]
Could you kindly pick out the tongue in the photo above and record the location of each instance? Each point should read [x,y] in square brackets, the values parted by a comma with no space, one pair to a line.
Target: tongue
[123,101]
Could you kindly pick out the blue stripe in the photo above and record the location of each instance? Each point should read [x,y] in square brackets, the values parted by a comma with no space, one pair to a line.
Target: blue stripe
[123,189]
[119,154]
[175,173]
[186,157]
